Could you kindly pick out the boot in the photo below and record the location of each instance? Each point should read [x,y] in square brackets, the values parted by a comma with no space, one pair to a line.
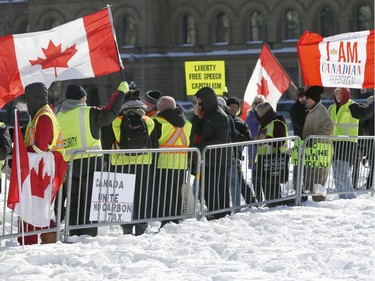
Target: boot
[48,238]
[127,228]
[319,198]
[140,228]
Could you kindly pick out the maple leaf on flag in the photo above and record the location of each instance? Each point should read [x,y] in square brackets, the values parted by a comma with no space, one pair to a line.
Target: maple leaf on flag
[55,57]
[263,87]
[39,182]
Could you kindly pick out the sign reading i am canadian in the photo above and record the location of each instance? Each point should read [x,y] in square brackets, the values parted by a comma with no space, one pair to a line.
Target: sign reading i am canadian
[343,60]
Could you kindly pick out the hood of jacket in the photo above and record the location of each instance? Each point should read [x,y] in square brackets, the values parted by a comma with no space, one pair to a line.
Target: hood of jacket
[70,104]
[209,99]
[174,116]
[36,97]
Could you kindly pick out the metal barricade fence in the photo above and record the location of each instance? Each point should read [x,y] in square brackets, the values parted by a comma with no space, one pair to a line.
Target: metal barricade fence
[337,166]
[161,193]
[223,179]
[251,173]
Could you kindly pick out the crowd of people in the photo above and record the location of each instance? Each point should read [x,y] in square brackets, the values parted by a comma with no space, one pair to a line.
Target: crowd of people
[132,120]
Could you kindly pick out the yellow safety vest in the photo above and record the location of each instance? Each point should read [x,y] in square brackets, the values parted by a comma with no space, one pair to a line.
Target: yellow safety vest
[173,137]
[136,158]
[75,127]
[344,123]
[57,143]
[267,148]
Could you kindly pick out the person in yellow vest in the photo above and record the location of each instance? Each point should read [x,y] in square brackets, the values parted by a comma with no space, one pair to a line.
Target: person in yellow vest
[345,115]
[317,122]
[81,126]
[5,146]
[132,129]
[272,161]
[43,133]
[173,130]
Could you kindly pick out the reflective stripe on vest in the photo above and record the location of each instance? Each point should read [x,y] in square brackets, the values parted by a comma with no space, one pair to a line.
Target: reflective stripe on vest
[173,137]
[343,121]
[57,143]
[136,158]
[75,125]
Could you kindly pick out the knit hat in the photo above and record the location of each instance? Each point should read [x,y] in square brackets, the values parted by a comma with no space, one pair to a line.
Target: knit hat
[222,102]
[75,92]
[314,93]
[152,96]
[134,95]
[233,100]
[166,102]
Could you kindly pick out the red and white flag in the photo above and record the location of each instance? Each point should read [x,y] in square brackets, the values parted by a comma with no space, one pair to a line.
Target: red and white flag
[268,79]
[344,60]
[83,48]
[34,182]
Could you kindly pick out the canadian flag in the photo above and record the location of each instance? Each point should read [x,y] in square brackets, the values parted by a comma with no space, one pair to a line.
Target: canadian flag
[34,182]
[83,48]
[343,60]
[268,79]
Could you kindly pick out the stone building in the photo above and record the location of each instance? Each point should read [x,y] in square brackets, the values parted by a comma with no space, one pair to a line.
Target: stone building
[156,37]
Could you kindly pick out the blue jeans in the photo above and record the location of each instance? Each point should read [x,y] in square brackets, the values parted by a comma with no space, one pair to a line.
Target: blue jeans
[341,176]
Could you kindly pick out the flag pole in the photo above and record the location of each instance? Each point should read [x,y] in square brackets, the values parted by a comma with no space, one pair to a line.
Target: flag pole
[121,66]
[18,167]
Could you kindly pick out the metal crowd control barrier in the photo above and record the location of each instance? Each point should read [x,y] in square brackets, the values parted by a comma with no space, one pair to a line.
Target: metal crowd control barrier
[160,193]
[243,174]
[224,179]
[337,166]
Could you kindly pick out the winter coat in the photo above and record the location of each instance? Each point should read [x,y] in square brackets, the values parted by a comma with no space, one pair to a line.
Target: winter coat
[213,128]
[174,116]
[298,116]
[243,130]
[5,141]
[347,150]
[279,130]
[253,125]
[240,132]
[99,117]
[318,122]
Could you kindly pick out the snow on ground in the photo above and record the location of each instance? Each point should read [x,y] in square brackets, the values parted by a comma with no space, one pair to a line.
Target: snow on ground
[332,240]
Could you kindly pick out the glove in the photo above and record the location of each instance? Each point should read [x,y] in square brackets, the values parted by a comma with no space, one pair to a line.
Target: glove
[123,87]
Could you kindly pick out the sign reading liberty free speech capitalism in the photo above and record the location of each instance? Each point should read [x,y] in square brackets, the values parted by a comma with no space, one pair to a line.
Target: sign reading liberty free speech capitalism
[199,74]
[112,197]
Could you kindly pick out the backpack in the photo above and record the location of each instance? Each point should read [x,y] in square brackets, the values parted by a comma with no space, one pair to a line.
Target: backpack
[134,133]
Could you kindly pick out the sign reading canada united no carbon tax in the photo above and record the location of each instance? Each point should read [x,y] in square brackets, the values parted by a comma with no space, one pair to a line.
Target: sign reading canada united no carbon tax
[112,197]
[199,74]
